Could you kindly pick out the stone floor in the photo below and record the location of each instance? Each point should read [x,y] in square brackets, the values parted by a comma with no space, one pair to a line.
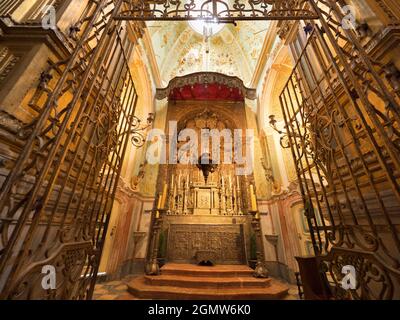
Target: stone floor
[117,290]
[113,290]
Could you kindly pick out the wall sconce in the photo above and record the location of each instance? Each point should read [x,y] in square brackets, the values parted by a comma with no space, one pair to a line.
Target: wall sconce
[284,140]
[272,123]
[137,130]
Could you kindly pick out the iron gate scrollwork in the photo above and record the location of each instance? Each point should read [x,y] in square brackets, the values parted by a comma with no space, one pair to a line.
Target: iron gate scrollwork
[342,127]
[374,279]
[216,10]
[57,199]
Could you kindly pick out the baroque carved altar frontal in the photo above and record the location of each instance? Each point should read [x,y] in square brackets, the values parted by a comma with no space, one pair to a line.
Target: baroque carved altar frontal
[225,241]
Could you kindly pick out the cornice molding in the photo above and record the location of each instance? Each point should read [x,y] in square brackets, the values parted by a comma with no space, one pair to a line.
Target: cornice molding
[383,42]
[291,192]
[11,31]
[126,193]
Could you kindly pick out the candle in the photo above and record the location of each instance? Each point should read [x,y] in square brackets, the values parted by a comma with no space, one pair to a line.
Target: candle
[158,207]
[159,202]
[164,196]
[253,199]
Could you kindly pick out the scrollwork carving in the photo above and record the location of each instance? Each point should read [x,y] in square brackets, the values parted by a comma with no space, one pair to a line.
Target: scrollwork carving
[374,279]
[221,10]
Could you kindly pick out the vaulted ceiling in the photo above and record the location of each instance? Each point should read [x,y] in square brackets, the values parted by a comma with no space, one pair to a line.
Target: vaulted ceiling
[235,50]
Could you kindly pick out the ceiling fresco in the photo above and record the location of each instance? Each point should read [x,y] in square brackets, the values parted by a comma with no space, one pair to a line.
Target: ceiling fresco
[235,50]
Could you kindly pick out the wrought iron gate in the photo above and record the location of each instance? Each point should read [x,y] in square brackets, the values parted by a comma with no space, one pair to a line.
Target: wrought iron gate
[57,198]
[342,126]
[56,201]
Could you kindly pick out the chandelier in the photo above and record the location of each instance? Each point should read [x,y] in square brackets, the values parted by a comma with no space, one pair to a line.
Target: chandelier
[207,27]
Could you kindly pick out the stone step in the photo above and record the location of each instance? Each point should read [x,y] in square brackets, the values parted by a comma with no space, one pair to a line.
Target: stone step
[142,290]
[207,271]
[206,282]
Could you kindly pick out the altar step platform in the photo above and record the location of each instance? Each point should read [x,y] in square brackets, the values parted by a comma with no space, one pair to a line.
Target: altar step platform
[192,282]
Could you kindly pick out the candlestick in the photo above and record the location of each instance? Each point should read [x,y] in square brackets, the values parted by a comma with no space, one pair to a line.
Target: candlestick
[152,267]
[158,207]
[253,199]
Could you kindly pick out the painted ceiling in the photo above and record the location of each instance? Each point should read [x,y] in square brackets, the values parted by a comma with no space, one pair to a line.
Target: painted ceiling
[234,50]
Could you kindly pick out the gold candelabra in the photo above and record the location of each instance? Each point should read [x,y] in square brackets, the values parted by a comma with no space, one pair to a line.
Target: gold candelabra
[152,267]
[261,270]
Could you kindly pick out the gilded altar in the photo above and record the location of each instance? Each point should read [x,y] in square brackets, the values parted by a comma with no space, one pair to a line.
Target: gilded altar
[206,217]
[205,214]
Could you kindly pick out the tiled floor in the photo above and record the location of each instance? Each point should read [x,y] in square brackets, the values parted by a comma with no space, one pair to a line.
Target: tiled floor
[293,293]
[117,290]
[114,290]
